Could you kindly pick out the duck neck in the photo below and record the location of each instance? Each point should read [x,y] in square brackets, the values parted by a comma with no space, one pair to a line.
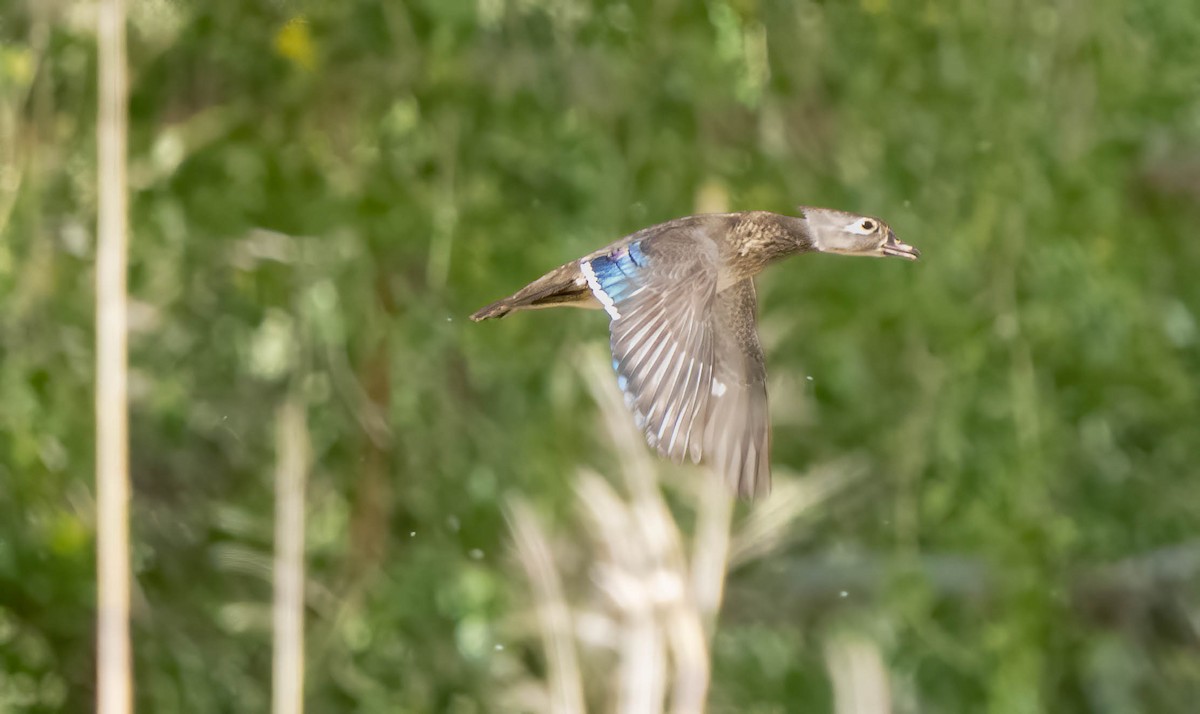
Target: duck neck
[799,233]
[761,238]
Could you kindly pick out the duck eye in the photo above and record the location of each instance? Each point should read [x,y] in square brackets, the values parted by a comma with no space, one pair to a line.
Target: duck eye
[868,225]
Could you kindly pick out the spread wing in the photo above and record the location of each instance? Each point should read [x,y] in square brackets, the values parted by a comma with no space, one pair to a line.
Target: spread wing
[659,294]
[737,432]
[687,358]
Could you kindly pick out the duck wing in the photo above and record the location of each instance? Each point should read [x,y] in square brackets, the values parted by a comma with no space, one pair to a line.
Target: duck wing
[737,431]
[687,360]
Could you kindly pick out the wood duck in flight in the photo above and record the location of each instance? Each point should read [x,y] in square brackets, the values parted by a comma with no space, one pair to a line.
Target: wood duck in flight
[682,308]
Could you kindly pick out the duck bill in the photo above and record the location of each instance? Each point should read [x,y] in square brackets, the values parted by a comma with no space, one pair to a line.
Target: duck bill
[894,247]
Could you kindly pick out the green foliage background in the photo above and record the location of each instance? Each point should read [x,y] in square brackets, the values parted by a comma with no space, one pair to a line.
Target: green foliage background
[323,192]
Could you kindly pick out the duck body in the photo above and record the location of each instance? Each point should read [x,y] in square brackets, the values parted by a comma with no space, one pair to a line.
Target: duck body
[681,301]
[742,245]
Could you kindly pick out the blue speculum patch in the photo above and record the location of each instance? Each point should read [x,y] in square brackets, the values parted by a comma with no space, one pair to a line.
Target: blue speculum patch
[614,270]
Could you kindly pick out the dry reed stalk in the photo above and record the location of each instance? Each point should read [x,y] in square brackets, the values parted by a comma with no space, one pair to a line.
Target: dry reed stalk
[662,617]
[659,607]
[554,616]
[710,549]
[113,651]
[859,675]
[291,454]
[624,572]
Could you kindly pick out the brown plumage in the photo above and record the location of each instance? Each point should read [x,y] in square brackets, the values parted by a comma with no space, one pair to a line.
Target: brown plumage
[681,300]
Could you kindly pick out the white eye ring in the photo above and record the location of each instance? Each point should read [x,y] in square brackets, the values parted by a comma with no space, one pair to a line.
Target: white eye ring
[864,227]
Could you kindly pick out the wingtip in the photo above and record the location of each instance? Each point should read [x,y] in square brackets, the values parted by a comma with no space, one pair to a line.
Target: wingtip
[754,485]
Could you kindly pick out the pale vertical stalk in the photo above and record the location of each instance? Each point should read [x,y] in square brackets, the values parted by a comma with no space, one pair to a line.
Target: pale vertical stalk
[643,666]
[859,675]
[710,550]
[553,613]
[690,654]
[648,576]
[714,510]
[291,455]
[113,659]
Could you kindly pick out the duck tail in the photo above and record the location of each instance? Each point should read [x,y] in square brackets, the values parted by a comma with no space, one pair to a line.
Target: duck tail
[562,286]
[498,309]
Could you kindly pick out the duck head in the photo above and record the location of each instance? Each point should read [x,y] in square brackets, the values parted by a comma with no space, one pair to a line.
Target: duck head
[834,231]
